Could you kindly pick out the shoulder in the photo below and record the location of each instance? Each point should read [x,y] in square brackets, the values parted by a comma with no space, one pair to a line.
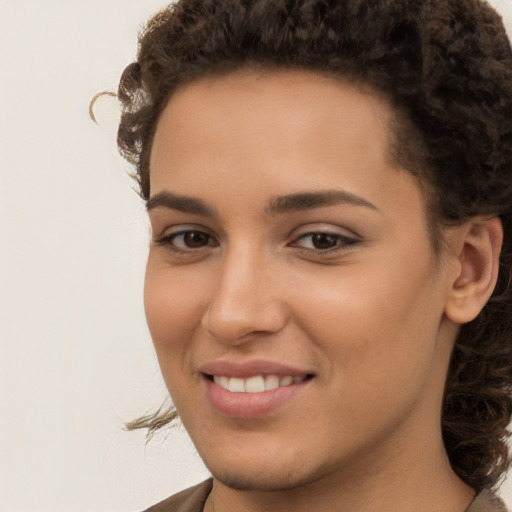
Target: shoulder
[486,501]
[189,500]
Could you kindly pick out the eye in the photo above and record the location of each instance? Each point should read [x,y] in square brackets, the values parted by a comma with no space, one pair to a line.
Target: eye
[191,239]
[188,240]
[323,241]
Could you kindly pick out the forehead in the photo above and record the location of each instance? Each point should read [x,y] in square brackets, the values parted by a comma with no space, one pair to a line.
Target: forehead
[247,109]
[267,93]
[278,132]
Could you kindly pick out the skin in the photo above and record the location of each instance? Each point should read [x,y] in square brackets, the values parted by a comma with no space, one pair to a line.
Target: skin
[373,318]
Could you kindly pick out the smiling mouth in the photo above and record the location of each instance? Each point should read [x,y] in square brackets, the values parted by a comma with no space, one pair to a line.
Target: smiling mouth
[256,383]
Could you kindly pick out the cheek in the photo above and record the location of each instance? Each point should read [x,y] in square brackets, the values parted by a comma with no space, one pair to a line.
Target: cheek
[173,306]
[377,319]
[173,309]
[378,354]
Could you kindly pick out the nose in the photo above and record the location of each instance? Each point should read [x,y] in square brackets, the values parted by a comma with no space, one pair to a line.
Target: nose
[245,304]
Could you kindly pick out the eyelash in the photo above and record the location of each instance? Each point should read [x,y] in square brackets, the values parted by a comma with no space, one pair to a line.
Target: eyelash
[167,241]
[342,242]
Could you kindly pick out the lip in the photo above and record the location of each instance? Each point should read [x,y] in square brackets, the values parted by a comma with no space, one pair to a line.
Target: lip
[246,369]
[251,405]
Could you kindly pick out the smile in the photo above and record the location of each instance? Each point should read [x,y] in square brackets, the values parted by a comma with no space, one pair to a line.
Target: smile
[254,396]
[257,383]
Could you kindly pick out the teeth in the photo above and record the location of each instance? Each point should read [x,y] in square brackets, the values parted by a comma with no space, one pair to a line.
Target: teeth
[223,382]
[271,382]
[256,384]
[236,385]
[286,381]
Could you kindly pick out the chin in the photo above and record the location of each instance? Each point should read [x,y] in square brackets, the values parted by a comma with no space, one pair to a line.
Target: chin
[265,476]
[243,481]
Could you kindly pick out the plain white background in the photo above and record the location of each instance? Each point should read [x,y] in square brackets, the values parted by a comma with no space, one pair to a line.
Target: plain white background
[76,359]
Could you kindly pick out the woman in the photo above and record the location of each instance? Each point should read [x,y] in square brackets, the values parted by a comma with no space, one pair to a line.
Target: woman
[329,185]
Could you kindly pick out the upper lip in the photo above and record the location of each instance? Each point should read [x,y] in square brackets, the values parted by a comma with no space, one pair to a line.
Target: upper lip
[246,369]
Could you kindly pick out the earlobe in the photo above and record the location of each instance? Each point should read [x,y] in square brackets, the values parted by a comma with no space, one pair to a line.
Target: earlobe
[479,245]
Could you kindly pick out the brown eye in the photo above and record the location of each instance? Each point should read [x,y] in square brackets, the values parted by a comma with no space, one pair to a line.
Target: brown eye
[323,241]
[195,239]
[187,241]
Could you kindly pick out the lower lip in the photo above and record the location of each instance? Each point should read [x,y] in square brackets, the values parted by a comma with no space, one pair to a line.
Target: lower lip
[251,405]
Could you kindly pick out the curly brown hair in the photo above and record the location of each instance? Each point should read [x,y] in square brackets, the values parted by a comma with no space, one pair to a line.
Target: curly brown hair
[446,66]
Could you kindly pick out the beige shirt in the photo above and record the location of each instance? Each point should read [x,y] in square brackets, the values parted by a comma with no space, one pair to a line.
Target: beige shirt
[194,498]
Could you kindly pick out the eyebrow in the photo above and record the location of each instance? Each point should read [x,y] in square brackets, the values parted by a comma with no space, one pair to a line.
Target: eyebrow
[317,199]
[183,204]
[299,201]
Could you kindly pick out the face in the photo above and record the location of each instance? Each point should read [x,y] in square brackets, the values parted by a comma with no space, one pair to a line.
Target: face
[292,293]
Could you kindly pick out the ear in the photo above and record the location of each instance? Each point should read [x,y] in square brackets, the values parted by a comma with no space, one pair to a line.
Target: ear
[477,246]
